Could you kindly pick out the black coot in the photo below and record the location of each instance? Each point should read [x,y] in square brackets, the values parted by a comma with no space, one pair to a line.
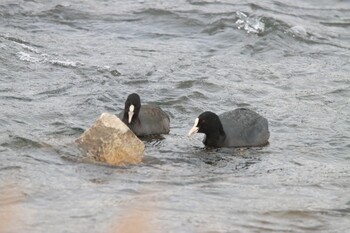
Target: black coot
[238,128]
[144,120]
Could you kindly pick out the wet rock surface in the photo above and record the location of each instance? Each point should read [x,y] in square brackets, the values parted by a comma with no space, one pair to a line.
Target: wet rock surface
[110,140]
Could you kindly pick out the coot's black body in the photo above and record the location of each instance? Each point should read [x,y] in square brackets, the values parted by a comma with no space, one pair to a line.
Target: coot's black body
[238,128]
[144,120]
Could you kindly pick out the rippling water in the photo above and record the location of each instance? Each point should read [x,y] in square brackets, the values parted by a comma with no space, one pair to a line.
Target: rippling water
[63,63]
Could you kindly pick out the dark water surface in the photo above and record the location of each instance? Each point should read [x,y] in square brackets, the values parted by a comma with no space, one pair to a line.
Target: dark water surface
[63,63]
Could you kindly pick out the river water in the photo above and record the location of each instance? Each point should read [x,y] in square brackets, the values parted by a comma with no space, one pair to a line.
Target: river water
[63,63]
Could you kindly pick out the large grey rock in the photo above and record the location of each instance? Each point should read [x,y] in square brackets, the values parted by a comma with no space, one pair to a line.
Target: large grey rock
[110,140]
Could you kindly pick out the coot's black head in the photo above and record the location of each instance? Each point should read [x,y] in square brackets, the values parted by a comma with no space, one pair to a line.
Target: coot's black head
[132,108]
[209,123]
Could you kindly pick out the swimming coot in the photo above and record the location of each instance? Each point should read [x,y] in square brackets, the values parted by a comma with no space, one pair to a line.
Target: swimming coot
[237,128]
[144,120]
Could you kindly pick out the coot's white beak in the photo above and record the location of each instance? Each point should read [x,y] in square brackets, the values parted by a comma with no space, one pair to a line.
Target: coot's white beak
[131,113]
[194,128]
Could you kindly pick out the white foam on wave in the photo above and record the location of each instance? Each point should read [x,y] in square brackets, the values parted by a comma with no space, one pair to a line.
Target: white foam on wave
[249,24]
[298,30]
[64,63]
[27,57]
[29,48]
[44,58]
[34,55]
